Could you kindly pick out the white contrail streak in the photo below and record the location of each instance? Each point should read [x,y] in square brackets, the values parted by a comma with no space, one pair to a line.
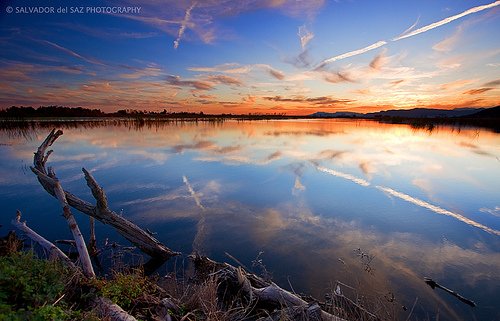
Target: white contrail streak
[192,192]
[408,33]
[437,209]
[354,53]
[184,23]
[350,177]
[447,20]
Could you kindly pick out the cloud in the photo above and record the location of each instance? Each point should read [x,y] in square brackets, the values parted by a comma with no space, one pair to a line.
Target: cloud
[276,74]
[197,84]
[449,43]
[323,100]
[235,68]
[184,23]
[376,45]
[446,20]
[223,79]
[304,36]
[337,77]
[379,61]
[493,83]
[72,53]
[493,211]
[456,84]
[437,209]
[477,91]
[145,72]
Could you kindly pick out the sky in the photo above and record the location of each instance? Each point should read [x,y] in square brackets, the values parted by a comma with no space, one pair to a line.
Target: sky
[290,57]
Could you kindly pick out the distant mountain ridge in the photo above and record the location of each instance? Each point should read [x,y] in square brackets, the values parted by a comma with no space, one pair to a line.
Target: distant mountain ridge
[416,113]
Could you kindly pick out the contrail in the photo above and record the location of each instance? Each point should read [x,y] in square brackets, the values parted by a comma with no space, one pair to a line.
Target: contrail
[408,33]
[410,199]
[350,177]
[353,53]
[72,53]
[184,23]
[437,209]
[192,192]
[447,20]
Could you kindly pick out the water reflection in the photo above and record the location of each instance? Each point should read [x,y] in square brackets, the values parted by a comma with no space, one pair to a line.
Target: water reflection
[307,193]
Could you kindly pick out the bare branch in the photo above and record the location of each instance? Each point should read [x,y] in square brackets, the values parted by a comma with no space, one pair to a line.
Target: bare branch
[97,191]
[53,250]
[88,270]
[140,238]
[41,157]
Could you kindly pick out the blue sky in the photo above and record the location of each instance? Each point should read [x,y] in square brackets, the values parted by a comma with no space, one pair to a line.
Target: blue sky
[258,56]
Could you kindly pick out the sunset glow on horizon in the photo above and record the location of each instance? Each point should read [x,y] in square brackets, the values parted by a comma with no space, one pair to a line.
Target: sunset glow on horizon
[251,56]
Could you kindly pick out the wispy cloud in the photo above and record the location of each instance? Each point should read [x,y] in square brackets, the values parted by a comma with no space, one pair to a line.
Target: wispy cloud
[72,53]
[304,36]
[447,20]
[379,61]
[493,211]
[437,209]
[477,91]
[323,100]
[184,23]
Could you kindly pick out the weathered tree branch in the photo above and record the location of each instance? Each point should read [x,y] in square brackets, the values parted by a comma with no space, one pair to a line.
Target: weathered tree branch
[87,268]
[111,311]
[104,306]
[255,288]
[54,251]
[143,240]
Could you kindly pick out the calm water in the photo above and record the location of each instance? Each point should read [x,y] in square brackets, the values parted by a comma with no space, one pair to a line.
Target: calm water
[311,195]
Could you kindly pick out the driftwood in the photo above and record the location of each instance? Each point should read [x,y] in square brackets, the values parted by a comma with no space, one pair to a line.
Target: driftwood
[252,290]
[83,254]
[54,251]
[260,291]
[433,284]
[103,306]
[143,240]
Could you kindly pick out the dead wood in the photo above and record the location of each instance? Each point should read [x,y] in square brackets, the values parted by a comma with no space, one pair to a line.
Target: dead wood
[54,251]
[83,254]
[143,240]
[105,308]
[433,284]
[253,288]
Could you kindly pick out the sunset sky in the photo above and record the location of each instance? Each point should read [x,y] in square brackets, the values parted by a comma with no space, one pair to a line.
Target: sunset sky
[251,56]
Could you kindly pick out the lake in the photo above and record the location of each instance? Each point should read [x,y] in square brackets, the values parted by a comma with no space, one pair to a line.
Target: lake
[375,206]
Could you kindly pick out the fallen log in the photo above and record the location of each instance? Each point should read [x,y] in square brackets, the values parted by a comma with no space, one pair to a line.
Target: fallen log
[140,238]
[256,290]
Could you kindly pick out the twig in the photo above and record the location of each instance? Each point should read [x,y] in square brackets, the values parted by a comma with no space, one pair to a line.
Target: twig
[413,307]
[434,284]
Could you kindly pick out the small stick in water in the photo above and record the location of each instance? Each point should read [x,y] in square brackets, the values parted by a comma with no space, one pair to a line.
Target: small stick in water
[433,284]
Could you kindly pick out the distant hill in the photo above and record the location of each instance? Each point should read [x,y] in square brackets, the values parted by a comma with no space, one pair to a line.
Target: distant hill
[412,113]
[487,113]
[426,113]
